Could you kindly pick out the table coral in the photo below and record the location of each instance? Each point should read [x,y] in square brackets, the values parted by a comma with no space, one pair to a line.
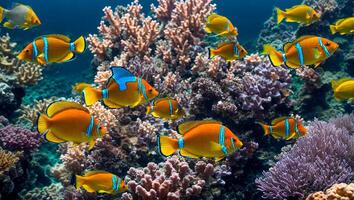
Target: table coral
[173,179]
[323,157]
[18,138]
[341,191]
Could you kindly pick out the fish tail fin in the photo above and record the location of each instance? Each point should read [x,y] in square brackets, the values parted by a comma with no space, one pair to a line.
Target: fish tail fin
[211,53]
[80,180]
[79,45]
[167,145]
[92,95]
[265,127]
[333,29]
[2,13]
[274,55]
[280,15]
[148,110]
[42,123]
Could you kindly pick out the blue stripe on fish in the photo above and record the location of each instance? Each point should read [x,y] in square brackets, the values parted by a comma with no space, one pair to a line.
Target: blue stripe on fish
[270,130]
[233,144]
[287,128]
[35,51]
[118,184]
[324,47]
[180,143]
[90,127]
[170,105]
[142,90]
[45,48]
[98,130]
[71,46]
[105,94]
[114,182]
[236,50]
[297,128]
[300,53]
[152,105]
[222,140]
[284,57]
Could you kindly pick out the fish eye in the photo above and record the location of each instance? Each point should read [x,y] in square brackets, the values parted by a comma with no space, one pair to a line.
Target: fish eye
[27,50]
[150,91]
[327,44]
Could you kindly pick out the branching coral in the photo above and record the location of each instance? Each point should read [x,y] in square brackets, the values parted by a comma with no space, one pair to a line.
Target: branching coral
[323,157]
[8,160]
[17,138]
[173,179]
[339,191]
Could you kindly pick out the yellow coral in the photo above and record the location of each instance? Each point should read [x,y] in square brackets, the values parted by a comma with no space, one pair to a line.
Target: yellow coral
[339,191]
[8,159]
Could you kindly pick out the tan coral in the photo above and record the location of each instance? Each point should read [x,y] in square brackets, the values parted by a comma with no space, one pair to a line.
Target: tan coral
[74,157]
[341,191]
[28,74]
[8,160]
[104,115]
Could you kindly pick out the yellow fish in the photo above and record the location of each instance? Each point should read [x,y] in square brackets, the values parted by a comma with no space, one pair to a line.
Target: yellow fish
[220,26]
[123,89]
[228,51]
[52,49]
[343,26]
[165,108]
[343,89]
[299,13]
[306,50]
[79,87]
[20,16]
[205,138]
[101,182]
[69,121]
[284,127]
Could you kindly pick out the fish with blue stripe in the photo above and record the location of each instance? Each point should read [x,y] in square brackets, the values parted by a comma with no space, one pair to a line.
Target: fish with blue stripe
[306,50]
[100,182]
[69,121]
[165,108]
[284,127]
[53,48]
[122,89]
[206,138]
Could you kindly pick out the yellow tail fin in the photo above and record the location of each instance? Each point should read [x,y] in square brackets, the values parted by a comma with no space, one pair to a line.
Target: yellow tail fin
[211,53]
[333,29]
[280,15]
[79,181]
[42,123]
[274,56]
[2,14]
[167,145]
[80,45]
[148,110]
[265,127]
[92,95]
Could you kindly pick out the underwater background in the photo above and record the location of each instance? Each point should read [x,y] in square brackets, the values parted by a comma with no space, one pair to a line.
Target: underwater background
[166,45]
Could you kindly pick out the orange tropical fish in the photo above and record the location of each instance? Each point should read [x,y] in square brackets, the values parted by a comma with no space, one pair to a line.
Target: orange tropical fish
[123,89]
[101,182]
[53,48]
[284,127]
[69,121]
[220,26]
[306,50]
[165,108]
[228,51]
[205,138]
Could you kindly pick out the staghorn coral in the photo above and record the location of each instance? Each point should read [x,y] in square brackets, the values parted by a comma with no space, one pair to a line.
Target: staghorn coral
[339,191]
[17,138]
[8,160]
[173,179]
[323,157]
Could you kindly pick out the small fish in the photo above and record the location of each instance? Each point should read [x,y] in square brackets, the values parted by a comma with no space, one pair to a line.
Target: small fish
[101,182]
[306,50]
[69,121]
[228,51]
[165,108]
[53,48]
[343,89]
[220,26]
[299,14]
[20,16]
[284,127]
[343,26]
[205,138]
[123,89]
[79,87]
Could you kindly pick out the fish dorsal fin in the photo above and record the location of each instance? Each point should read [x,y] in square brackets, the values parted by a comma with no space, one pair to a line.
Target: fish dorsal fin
[122,76]
[187,126]
[90,173]
[225,43]
[302,38]
[336,83]
[339,22]
[163,99]
[60,106]
[213,16]
[279,119]
[58,36]
[287,46]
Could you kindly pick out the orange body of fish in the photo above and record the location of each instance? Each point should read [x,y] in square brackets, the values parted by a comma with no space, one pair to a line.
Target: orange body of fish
[284,127]
[201,139]
[165,108]
[228,51]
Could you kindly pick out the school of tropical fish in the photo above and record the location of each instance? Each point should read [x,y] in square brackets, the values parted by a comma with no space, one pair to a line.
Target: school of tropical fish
[66,121]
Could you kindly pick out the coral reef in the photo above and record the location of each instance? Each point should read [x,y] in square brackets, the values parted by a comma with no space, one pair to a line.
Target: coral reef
[173,179]
[17,138]
[337,191]
[8,160]
[320,159]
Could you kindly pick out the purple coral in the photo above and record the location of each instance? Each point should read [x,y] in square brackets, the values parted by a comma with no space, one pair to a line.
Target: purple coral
[323,157]
[17,138]
[173,179]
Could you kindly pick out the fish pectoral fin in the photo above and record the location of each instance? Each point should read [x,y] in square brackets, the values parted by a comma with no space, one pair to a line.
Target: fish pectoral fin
[292,135]
[88,188]
[224,33]
[92,144]
[215,147]
[185,153]
[9,25]
[52,138]
[317,53]
[40,59]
